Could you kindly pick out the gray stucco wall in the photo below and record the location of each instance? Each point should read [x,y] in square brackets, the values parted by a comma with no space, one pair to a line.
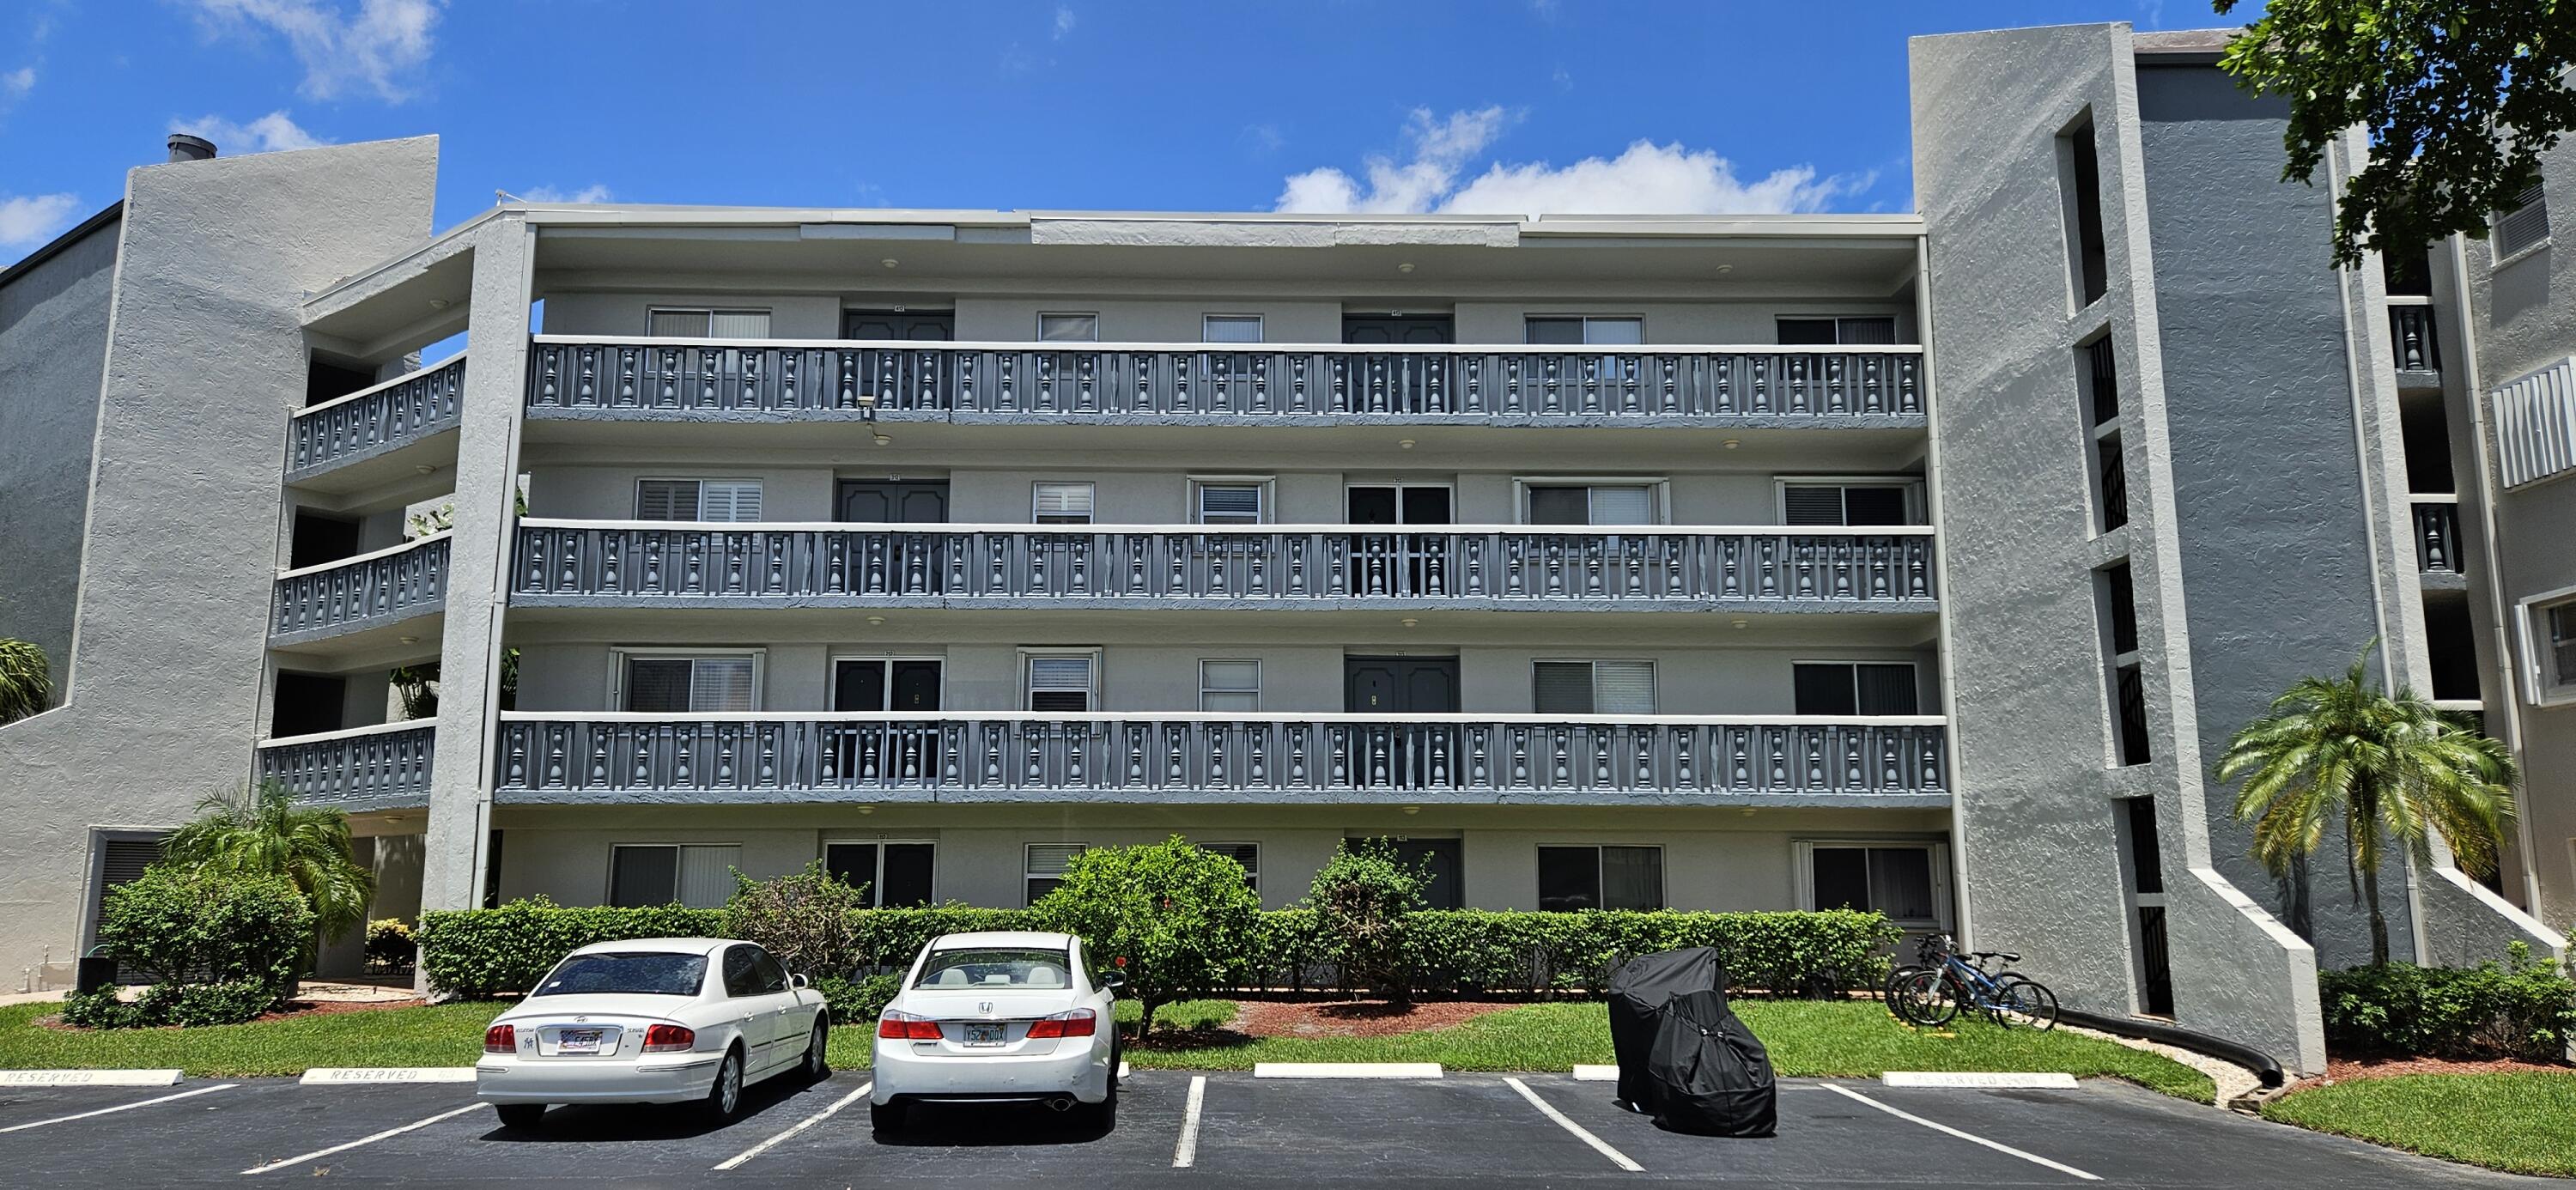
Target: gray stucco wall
[53,343]
[206,358]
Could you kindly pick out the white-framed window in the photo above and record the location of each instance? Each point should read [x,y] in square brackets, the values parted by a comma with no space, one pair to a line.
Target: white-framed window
[1821,330]
[1585,329]
[1909,881]
[887,682]
[2549,642]
[1230,328]
[1593,687]
[895,872]
[698,875]
[1230,500]
[1068,328]
[1591,501]
[701,322]
[1246,854]
[1848,688]
[1061,502]
[1850,501]
[698,682]
[1065,680]
[697,499]
[1045,866]
[1229,685]
[2522,225]
[1586,876]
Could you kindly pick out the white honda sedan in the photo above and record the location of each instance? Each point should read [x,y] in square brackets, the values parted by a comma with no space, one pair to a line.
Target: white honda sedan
[652,1020]
[998,1018]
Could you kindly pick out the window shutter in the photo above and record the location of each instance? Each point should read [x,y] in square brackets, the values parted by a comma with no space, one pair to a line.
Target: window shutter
[1886,689]
[1047,860]
[657,685]
[666,500]
[677,324]
[1562,687]
[121,862]
[721,684]
[2523,224]
[1623,687]
[738,324]
[706,876]
[729,500]
[1811,504]
[1623,506]
[1066,501]
[1060,684]
[1230,504]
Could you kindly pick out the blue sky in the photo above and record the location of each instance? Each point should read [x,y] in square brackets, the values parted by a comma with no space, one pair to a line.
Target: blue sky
[1502,106]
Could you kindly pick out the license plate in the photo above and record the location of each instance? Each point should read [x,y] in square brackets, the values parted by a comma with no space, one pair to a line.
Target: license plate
[985,1035]
[578,1041]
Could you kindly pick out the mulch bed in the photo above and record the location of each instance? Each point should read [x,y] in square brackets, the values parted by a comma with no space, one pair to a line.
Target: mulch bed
[1326,1018]
[294,1008]
[2347,1069]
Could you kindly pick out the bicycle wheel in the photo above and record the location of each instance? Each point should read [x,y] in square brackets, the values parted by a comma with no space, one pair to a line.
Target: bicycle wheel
[2023,1002]
[1928,999]
[1897,977]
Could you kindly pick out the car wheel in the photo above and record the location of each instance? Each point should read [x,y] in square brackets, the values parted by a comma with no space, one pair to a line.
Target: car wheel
[817,1067]
[1102,1116]
[519,1115]
[724,1096]
[886,1119]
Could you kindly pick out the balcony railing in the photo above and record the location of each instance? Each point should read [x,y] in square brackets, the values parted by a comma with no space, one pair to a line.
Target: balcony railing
[2410,334]
[382,765]
[361,592]
[376,419]
[2437,535]
[629,562]
[753,380]
[1006,756]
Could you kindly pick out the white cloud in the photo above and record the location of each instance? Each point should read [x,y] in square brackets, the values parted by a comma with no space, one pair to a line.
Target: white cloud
[1063,21]
[32,219]
[272,133]
[592,193]
[17,82]
[1646,178]
[376,48]
[1439,149]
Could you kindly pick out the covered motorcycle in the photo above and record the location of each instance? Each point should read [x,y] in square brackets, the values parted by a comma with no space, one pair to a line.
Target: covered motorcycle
[1684,1056]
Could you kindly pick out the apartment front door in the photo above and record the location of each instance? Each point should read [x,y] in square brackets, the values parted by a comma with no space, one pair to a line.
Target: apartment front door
[1411,564]
[894,501]
[1400,685]
[870,751]
[1399,328]
[915,326]
[1402,755]
[1437,858]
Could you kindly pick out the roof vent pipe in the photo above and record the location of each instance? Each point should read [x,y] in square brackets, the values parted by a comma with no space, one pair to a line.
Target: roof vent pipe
[184,147]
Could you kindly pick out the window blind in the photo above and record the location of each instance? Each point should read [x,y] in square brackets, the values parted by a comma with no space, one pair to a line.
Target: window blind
[677,324]
[1069,328]
[1623,687]
[721,684]
[1900,882]
[706,876]
[1813,504]
[1062,503]
[1230,504]
[1867,331]
[666,500]
[1632,877]
[738,324]
[1232,328]
[2523,224]
[1885,689]
[729,500]
[1060,684]
[640,876]
[657,685]
[1622,506]
[1562,687]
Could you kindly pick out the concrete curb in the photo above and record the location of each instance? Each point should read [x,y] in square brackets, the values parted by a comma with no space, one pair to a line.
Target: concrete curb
[346,1075]
[1596,1074]
[1346,1070]
[89,1078]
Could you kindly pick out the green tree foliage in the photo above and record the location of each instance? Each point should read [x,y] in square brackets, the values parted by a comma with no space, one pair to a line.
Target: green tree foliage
[223,948]
[2520,1008]
[1176,920]
[1363,900]
[260,831]
[26,681]
[2459,99]
[2340,754]
[807,919]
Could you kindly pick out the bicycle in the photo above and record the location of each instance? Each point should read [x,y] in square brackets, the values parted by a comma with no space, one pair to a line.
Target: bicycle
[1933,994]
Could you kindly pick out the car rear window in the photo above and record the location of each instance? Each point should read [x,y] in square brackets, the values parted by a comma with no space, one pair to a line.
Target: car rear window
[1014,968]
[642,973]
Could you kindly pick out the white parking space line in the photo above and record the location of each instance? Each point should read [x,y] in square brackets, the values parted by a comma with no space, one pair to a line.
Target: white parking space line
[118,1108]
[1346,1070]
[2057,1081]
[1596,1074]
[800,1126]
[1186,1153]
[1970,1137]
[1580,1132]
[300,1158]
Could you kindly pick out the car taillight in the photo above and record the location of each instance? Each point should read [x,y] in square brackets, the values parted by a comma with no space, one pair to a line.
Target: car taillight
[1078,1023]
[903,1026]
[663,1039]
[500,1039]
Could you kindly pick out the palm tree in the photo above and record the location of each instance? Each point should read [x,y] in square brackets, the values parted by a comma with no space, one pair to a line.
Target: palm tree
[259,830]
[2387,768]
[26,683]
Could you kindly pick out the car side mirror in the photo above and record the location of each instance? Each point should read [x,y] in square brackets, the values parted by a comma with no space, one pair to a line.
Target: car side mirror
[1112,981]
[799,981]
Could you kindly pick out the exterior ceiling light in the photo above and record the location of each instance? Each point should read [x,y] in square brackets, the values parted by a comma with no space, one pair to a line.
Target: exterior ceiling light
[439,303]
[1404,443]
[882,440]
[1726,268]
[889,262]
[1413,809]
[1730,443]
[1409,621]
[1742,623]
[1406,267]
[873,621]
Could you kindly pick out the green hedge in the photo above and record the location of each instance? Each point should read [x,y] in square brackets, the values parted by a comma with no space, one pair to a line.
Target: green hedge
[2521,1008]
[483,952]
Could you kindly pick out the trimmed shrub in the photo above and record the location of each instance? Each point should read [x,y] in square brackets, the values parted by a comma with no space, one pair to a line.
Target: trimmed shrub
[1362,899]
[390,946]
[1177,920]
[488,952]
[220,949]
[807,919]
[2521,1008]
[855,1001]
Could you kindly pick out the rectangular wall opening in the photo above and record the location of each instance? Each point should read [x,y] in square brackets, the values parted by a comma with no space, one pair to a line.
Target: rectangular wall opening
[2097,371]
[2450,647]
[2142,870]
[2115,597]
[2079,180]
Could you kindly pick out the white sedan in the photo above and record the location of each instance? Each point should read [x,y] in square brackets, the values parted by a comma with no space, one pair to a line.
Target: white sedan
[652,1020]
[998,1017]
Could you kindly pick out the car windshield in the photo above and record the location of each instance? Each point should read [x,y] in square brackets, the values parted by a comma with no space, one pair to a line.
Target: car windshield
[995,968]
[641,973]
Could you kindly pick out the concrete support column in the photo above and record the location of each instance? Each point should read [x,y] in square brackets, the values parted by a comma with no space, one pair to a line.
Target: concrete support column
[487,470]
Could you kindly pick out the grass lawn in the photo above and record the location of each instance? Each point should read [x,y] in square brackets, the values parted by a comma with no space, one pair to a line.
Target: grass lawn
[2523,1123]
[1805,1038]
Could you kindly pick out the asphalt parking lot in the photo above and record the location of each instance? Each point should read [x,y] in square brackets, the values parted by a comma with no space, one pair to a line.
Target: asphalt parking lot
[1536,1129]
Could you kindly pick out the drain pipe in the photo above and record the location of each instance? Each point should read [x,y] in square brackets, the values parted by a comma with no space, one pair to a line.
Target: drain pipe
[2266,1070]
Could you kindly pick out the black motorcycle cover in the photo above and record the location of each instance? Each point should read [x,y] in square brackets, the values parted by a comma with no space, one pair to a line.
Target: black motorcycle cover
[1638,991]
[1711,1075]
